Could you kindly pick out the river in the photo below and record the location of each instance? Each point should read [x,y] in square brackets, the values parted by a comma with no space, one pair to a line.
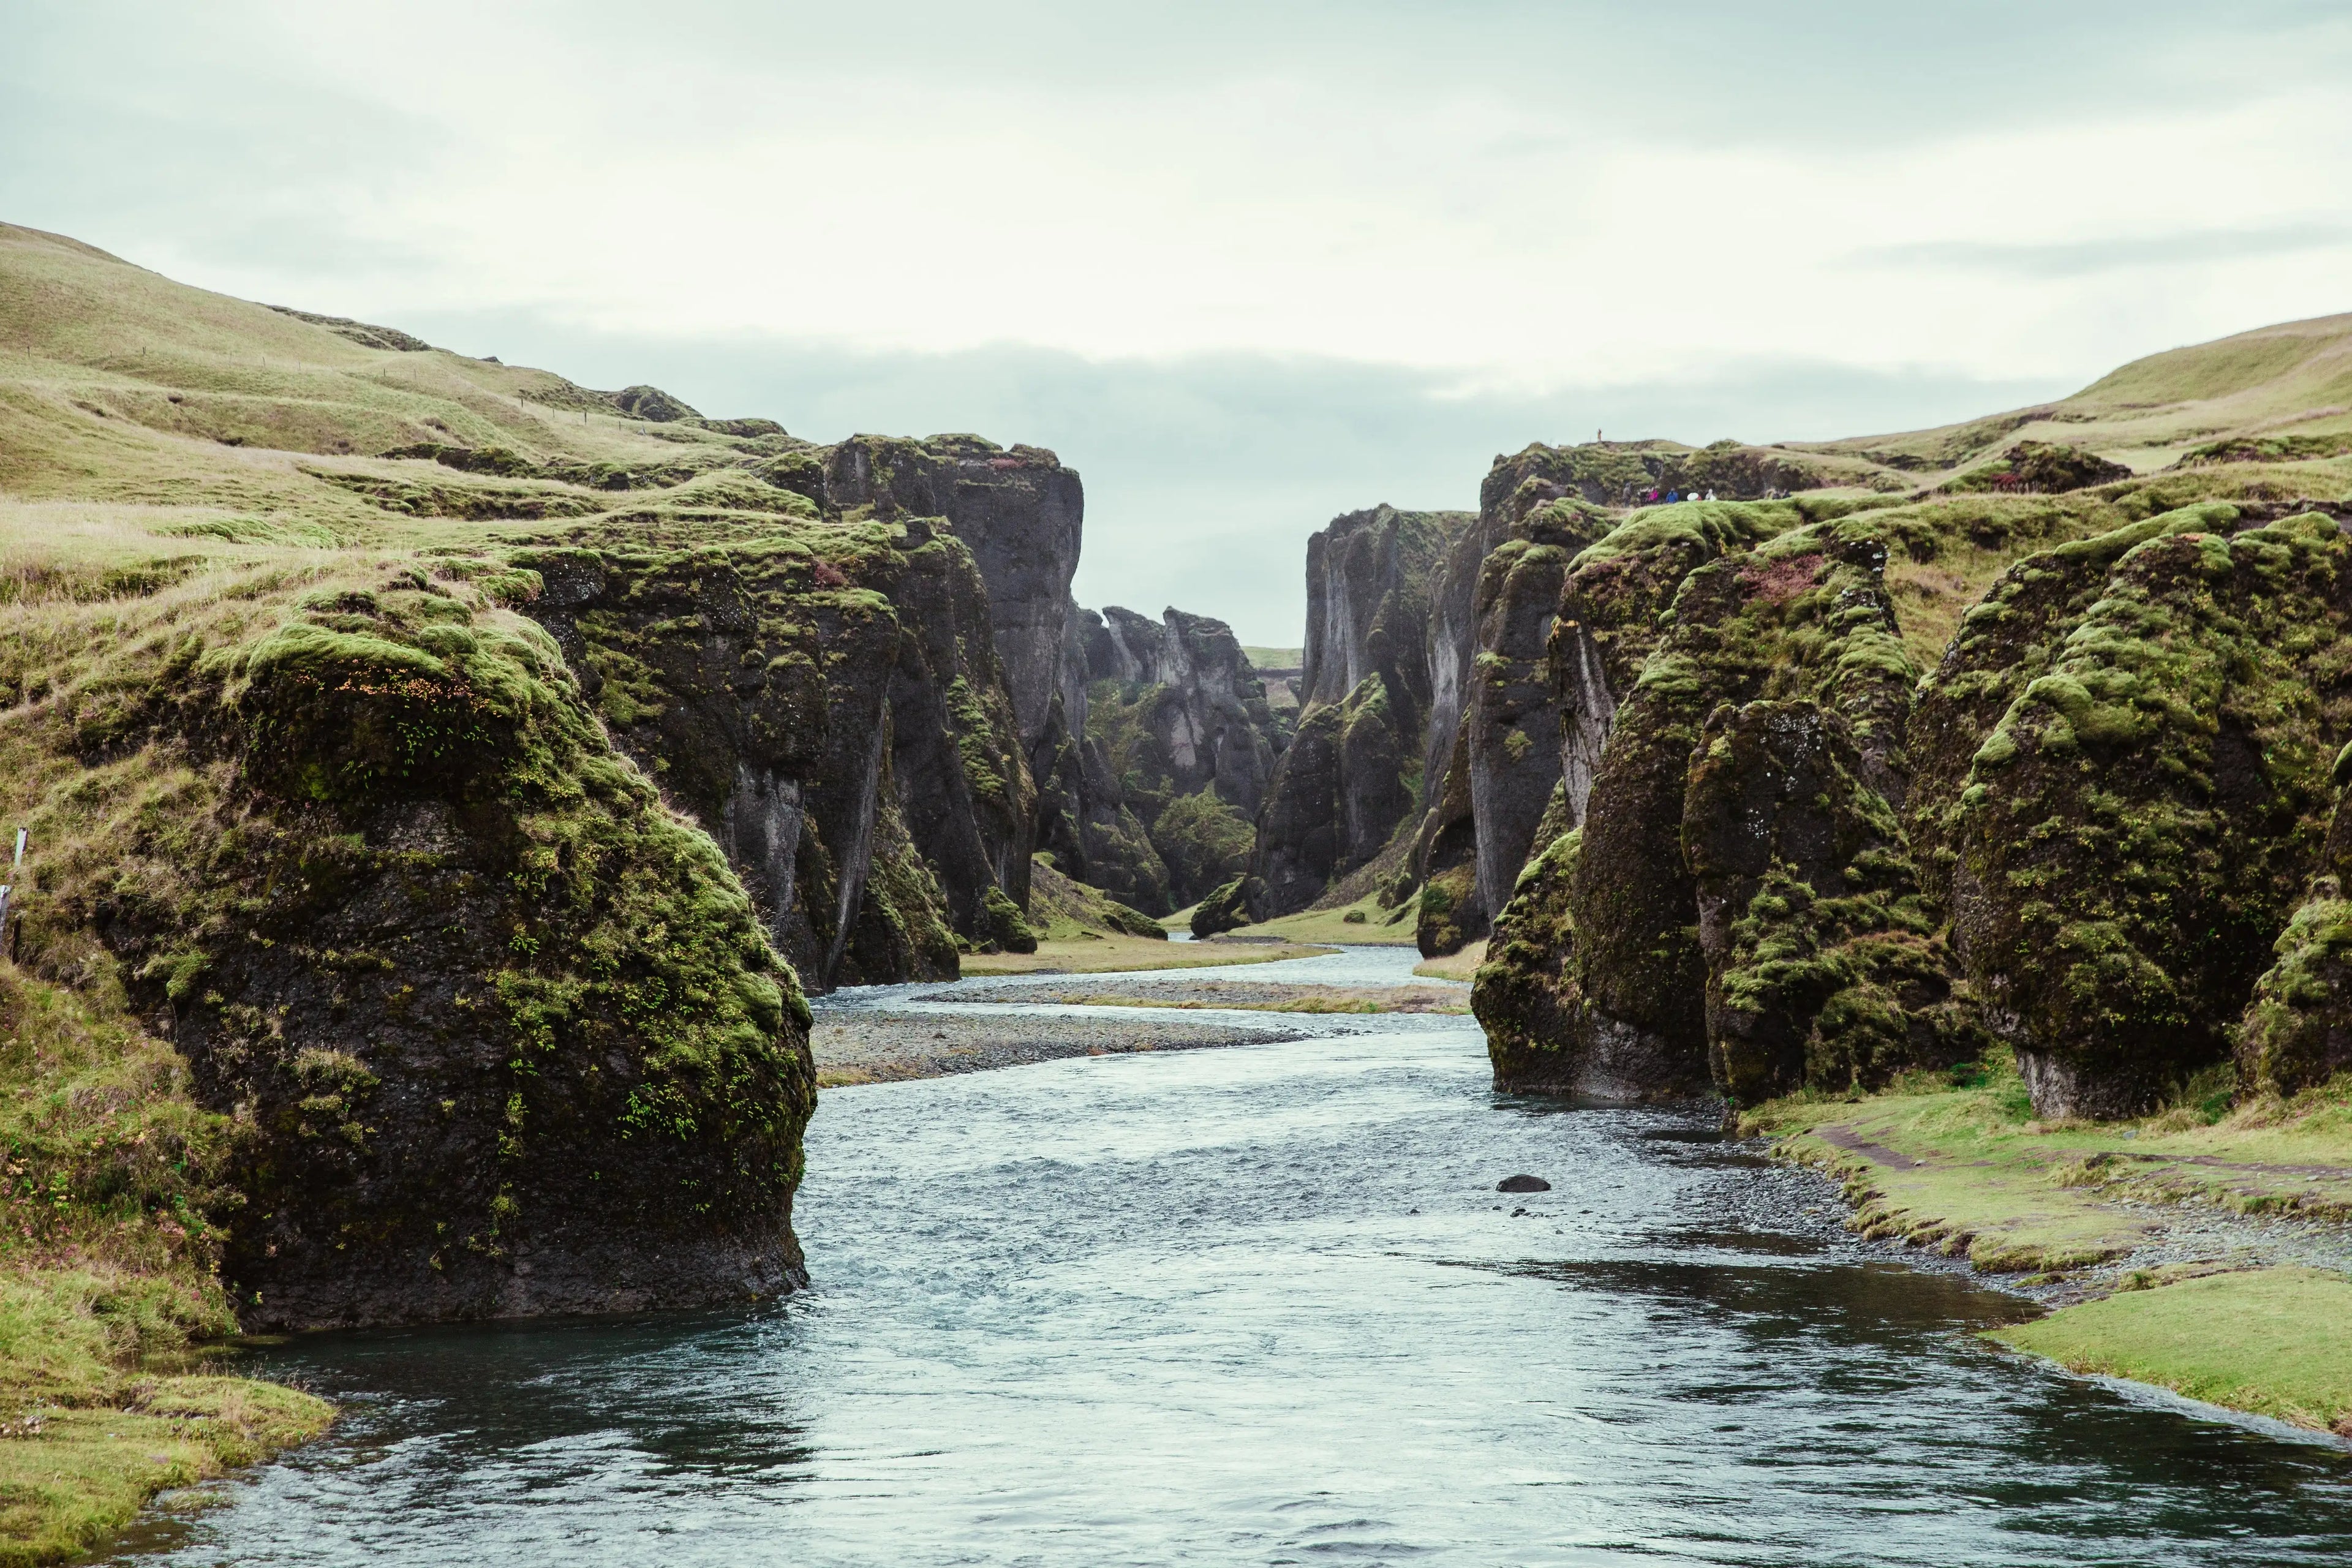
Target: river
[1263,1304]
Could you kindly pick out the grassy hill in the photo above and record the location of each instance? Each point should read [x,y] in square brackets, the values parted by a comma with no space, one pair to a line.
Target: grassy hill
[142,421]
[2276,393]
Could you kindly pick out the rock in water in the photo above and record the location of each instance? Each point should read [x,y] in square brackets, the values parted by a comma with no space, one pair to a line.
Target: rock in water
[1523,1183]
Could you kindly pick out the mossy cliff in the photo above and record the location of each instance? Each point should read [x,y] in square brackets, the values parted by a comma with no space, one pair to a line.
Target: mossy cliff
[2088,833]
[494,1031]
[1180,749]
[2136,829]
[1491,755]
[1353,777]
[770,681]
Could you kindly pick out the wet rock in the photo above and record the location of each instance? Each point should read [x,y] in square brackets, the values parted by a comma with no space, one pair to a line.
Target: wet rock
[1523,1183]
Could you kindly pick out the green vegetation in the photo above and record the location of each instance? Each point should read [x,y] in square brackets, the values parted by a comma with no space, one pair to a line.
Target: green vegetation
[1361,920]
[1458,965]
[1063,910]
[2287,1351]
[109,1292]
[1957,1160]
[1105,955]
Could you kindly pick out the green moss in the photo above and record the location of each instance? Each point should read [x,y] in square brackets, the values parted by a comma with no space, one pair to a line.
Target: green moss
[2161,796]
[1526,995]
[1001,927]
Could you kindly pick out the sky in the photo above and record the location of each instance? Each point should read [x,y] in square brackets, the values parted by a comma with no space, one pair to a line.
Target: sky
[1245,267]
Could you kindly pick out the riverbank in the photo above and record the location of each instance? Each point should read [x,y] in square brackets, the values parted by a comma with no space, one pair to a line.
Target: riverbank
[108,1294]
[1107,954]
[1244,995]
[2204,1249]
[857,1046]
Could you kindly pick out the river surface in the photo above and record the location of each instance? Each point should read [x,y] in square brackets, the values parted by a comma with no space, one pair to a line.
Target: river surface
[1263,1304]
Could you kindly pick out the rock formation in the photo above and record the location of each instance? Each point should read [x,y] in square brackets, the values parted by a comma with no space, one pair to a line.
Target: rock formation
[2096,833]
[1151,796]
[500,1032]
[1354,773]
[829,703]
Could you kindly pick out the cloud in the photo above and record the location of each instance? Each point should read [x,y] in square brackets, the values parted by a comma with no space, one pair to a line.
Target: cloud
[1246,263]
[2085,257]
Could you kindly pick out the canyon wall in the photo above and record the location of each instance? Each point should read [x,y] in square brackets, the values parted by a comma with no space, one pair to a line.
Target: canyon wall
[1179,749]
[1353,773]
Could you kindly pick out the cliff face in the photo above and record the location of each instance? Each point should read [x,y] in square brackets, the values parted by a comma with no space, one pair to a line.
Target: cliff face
[1354,773]
[1019,512]
[1180,748]
[498,1033]
[826,703]
[2099,831]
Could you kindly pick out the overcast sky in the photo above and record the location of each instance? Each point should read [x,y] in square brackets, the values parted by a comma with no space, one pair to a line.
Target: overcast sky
[1245,266]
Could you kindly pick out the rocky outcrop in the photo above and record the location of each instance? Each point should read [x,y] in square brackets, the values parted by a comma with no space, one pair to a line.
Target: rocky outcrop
[1683,891]
[2042,468]
[2297,1030]
[1354,773]
[2146,815]
[1824,967]
[1018,511]
[825,703]
[2098,833]
[500,1033]
[839,699]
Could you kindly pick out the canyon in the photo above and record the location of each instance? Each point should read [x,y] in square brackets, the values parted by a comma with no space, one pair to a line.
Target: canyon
[453,792]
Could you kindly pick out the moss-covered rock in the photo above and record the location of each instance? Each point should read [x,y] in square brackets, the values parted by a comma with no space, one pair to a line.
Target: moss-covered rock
[1824,967]
[2043,468]
[1804,616]
[1226,908]
[497,1031]
[2138,827]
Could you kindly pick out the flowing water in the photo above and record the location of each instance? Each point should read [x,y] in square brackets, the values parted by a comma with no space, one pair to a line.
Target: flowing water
[1264,1304]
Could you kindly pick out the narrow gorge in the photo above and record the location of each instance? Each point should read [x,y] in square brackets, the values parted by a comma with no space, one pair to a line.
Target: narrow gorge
[467,814]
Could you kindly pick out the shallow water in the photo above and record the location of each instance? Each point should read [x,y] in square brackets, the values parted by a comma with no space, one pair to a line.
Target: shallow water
[1263,1304]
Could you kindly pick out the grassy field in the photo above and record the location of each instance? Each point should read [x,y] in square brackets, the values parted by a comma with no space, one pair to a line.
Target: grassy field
[2289,385]
[1966,1168]
[1362,921]
[1461,965]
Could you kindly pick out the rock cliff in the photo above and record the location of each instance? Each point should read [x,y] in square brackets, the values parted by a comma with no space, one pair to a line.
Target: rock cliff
[1354,773]
[2097,831]
[1179,749]
[498,1032]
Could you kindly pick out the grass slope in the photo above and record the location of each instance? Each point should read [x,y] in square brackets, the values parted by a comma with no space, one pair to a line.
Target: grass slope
[2289,385]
